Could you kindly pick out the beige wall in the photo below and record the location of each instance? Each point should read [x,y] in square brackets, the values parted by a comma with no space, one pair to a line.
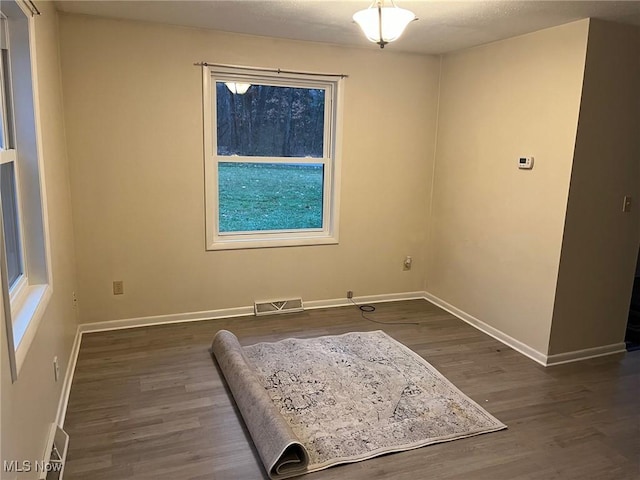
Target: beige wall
[600,242]
[133,110]
[496,231]
[29,405]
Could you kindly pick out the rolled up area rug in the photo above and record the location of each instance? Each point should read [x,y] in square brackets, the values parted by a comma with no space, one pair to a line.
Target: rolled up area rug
[280,450]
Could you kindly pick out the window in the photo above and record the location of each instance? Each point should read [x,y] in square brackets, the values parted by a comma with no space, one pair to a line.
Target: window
[24,267]
[271,161]
[8,189]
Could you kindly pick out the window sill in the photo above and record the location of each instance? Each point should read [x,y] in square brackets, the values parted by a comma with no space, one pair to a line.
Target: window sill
[26,319]
[238,244]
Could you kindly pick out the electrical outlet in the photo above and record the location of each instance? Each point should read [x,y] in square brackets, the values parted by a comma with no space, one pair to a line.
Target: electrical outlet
[74,299]
[406,265]
[349,294]
[118,287]
[56,369]
[626,204]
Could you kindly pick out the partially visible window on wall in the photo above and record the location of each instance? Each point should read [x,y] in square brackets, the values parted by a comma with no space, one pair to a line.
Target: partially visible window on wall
[8,194]
[24,272]
[271,160]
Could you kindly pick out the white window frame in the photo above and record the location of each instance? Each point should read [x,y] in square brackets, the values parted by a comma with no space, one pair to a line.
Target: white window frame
[8,154]
[24,303]
[328,234]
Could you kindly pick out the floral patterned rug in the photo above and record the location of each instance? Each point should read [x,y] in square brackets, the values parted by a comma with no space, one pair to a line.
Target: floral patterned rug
[359,395]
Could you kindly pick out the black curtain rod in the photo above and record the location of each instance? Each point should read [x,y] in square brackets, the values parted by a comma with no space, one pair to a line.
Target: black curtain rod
[271,70]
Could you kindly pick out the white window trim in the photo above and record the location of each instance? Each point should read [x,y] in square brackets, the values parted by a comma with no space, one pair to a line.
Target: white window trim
[18,290]
[331,162]
[25,310]
[26,319]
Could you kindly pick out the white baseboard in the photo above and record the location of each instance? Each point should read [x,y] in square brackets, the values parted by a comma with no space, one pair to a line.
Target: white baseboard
[237,312]
[343,302]
[577,355]
[541,358]
[164,319]
[509,341]
[68,378]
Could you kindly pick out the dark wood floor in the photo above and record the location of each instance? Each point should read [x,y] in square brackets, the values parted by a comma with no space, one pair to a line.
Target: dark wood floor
[149,403]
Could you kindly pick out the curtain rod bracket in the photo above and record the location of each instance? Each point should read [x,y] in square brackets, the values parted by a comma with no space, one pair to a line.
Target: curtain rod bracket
[32,7]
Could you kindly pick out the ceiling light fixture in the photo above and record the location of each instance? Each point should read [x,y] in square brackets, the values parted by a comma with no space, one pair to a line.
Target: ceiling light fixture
[383,21]
[237,87]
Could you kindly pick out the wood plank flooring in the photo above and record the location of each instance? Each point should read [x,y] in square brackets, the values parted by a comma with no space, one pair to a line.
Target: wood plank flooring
[150,403]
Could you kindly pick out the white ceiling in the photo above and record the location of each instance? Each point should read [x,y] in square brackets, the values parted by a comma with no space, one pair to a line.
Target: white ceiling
[443,26]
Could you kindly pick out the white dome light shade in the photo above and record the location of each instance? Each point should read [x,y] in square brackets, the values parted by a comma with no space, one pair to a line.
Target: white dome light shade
[236,87]
[394,21]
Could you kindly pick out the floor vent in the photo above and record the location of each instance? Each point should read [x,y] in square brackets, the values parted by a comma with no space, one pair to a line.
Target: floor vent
[271,307]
